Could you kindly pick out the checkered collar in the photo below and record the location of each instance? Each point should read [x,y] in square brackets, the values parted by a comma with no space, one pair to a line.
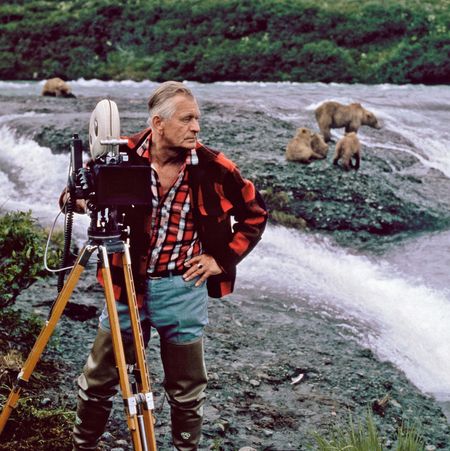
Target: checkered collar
[144,151]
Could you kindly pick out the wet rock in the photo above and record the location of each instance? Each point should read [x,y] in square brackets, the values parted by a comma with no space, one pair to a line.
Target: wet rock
[81,312]
[379,405]
[107,437]
[46,402]
[389,197]
[377,201]
[222,427]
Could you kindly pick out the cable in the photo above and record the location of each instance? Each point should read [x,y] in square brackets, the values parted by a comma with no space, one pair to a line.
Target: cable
[48,243]
[66,228]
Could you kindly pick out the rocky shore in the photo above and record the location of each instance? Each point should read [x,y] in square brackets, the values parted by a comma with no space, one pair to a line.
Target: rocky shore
[389,197]
[278,372]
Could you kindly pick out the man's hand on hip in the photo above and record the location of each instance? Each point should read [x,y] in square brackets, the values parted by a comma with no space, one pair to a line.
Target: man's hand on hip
[201,266]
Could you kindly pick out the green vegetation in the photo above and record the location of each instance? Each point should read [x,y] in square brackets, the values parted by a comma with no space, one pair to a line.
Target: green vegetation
[277,203]
[22,246]
[38,429]
[365,437]
[18,329]
[31,425]
[210,40]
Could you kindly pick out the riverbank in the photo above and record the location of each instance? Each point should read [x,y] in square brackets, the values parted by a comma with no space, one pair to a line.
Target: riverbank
[256,347]
[388,199]
[303,300]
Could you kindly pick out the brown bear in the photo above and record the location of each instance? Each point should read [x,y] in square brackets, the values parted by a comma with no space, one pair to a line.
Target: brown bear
[347,149]
[335,115]
[56,87]
[300,147]
[319,145]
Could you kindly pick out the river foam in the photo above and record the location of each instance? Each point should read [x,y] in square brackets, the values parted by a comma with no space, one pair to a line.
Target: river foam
[31,177]
[403,320]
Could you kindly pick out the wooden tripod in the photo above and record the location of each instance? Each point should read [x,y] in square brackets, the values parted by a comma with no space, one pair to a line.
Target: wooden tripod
[138,406]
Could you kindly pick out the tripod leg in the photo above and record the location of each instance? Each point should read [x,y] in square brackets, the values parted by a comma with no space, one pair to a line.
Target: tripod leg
[45,334]
[127,395]
[144,382]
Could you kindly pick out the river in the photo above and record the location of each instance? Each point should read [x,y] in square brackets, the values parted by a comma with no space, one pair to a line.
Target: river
[395,298]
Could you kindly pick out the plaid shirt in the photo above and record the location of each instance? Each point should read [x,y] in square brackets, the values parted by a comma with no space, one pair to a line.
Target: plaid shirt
[217,192]
[173,237]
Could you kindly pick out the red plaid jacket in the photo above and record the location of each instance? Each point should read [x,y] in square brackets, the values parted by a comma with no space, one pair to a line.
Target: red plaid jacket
[218,192]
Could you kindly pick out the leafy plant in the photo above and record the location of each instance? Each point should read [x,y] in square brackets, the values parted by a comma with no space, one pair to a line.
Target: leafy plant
[39,429]
[22,246]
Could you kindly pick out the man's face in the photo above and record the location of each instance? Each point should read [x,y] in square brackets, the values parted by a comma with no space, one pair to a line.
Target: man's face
[180,131]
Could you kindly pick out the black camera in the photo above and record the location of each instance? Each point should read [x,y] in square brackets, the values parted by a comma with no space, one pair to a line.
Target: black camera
[108,181]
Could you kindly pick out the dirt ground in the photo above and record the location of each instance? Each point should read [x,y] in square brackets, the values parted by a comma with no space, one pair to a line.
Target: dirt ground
[256,350]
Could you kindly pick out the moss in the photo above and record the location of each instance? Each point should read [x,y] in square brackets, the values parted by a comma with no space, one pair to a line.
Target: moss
[287,219]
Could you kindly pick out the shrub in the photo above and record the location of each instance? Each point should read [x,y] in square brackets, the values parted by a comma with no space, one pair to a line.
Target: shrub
[426,61]
[32,427]
[212,40]
[22,246]
[324,61]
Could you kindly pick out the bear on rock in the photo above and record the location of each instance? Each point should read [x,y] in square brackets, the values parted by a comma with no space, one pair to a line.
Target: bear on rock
[348,148]
[306,146]
[56,87]
[335,115]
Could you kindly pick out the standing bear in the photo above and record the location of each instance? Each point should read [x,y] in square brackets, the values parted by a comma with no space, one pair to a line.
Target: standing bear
[56,87]
[348,148]
[306,146]
[335,115]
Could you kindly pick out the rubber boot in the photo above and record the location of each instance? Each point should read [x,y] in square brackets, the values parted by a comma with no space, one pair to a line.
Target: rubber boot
[98,384]
[185,381]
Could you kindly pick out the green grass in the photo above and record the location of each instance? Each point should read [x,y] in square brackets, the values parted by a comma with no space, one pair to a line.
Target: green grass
[364,436]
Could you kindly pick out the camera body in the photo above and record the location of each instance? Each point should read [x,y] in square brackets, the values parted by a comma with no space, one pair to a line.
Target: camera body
[109,181]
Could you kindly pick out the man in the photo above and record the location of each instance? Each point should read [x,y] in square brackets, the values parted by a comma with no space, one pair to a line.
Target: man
[182,250]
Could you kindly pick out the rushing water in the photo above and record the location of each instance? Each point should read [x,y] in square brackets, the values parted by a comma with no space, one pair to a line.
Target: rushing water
[397,302]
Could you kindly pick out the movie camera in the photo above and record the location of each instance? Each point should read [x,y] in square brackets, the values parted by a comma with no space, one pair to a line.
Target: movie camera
[109,181]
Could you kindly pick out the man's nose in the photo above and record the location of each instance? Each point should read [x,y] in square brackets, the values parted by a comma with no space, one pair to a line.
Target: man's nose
[195,125]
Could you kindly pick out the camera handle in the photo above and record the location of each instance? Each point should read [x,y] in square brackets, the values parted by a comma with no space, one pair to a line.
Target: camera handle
[139,406]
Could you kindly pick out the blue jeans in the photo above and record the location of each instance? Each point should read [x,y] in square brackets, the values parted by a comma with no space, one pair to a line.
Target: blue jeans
[176,309]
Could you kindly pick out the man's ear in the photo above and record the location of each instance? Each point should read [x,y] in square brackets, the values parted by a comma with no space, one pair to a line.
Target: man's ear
[157,124]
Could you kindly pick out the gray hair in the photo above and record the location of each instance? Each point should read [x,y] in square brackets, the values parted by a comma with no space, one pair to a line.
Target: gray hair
[161,102]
